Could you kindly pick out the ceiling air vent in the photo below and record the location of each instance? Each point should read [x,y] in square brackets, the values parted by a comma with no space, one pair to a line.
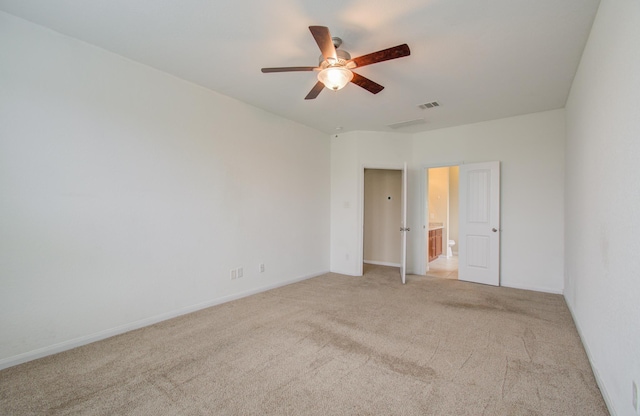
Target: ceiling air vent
[432,104]
[408,123]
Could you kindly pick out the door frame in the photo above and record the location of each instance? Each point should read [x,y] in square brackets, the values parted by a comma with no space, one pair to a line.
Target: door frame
[363,166]
[424,194]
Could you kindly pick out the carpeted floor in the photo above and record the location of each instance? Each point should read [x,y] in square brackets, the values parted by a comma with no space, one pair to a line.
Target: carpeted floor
[332,345]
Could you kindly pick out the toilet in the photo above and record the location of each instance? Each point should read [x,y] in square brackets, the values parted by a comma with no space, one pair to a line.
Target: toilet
[449,251]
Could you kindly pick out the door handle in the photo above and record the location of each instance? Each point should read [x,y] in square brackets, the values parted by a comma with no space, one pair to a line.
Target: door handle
[405,229]
[495,230]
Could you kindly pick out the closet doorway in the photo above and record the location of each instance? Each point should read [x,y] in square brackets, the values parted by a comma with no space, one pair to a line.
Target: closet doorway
[382,243]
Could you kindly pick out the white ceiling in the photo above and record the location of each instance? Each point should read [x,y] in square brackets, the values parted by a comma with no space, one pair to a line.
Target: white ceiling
[481,59]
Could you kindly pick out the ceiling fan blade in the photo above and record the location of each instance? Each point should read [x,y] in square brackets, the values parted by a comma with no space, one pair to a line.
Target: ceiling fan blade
[325,43]
[314,91]
[383,55]
[366,83]
[289,69]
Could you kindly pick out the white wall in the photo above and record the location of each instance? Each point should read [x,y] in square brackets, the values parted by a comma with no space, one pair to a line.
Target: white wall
[382,216]
[530,149]
[128,194]
[344,204]
[602,284]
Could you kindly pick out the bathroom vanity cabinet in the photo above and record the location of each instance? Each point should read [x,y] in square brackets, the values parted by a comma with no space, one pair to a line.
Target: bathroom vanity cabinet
[435,243]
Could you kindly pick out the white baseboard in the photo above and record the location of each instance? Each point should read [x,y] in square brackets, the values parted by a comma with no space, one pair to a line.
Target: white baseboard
[596,373]
[107,333]
[381,263]
[534,288]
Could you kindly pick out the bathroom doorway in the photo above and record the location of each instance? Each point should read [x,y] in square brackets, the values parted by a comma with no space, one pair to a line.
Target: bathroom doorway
[442,211]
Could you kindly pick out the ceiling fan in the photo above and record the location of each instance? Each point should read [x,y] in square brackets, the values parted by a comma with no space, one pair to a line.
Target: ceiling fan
[335,66]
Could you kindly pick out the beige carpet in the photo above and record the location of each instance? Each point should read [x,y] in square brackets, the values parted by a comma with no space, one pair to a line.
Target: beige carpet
[332,345]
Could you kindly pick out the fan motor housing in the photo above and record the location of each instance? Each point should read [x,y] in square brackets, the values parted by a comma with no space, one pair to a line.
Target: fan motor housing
[343,57]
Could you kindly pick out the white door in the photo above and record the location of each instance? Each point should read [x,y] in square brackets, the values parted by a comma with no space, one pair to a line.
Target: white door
[479,224]
[403,226]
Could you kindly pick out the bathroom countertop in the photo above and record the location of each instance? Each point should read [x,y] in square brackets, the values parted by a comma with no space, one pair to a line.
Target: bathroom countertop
[435,226]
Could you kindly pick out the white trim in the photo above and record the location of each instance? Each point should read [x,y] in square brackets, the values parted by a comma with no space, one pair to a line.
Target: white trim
[534,288]
[381,263]
[596,373]
[345,273]
[348,274]
[107,333]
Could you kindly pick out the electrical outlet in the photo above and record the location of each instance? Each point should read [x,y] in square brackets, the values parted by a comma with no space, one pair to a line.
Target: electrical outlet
[234,274]
[634,399]
[261,268]
[240,272]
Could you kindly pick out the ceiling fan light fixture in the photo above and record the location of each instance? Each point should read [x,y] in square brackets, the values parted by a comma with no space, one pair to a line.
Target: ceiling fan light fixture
[335,77]
[335,65]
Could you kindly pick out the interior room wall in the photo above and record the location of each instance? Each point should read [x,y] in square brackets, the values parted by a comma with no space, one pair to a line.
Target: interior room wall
[531,151]
[128,195]
[344,200]
[382,216]
[454,178]
[602,283]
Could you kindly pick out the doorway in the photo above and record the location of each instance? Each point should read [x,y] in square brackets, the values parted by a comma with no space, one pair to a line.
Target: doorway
[382,213]
[478,222]
[442,211]
[400,221]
